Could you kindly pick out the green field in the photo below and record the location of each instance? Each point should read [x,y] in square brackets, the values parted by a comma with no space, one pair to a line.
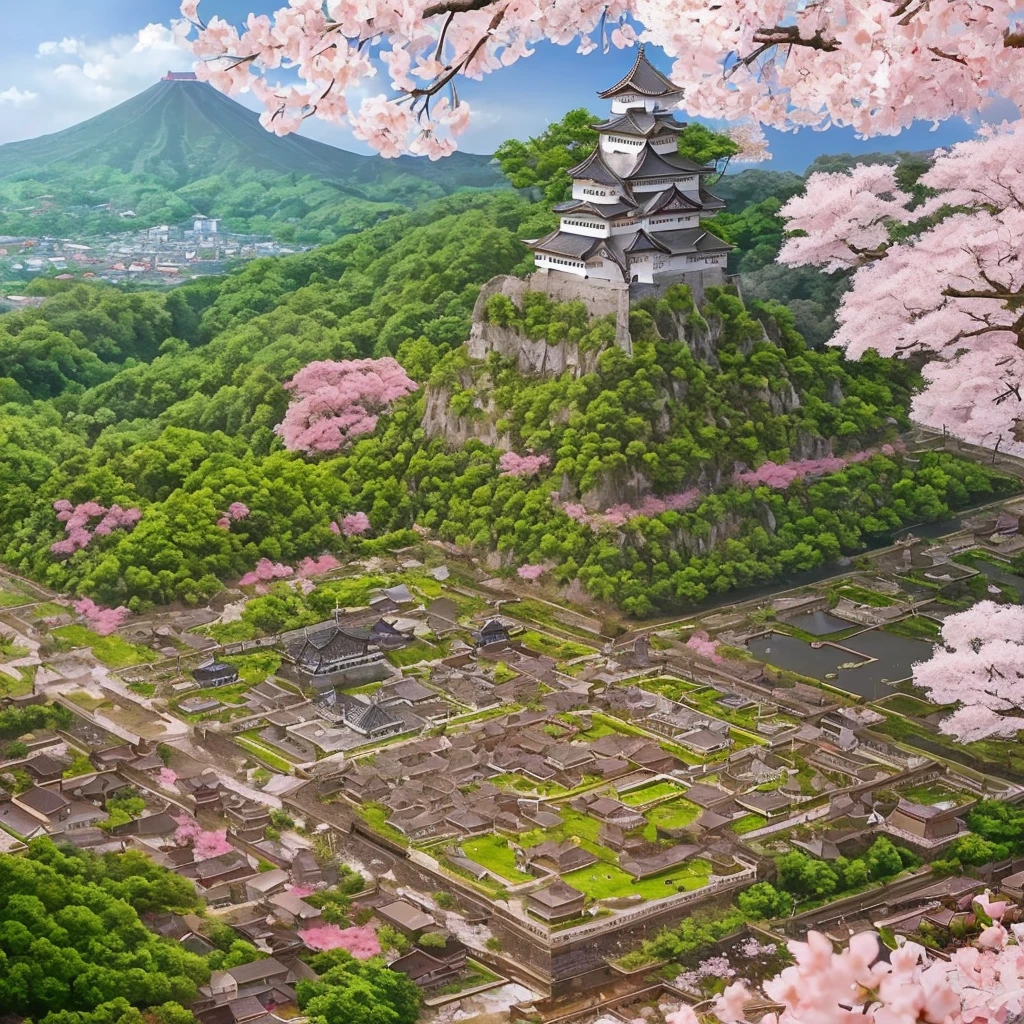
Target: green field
[265,754]
[113,651]
[748,823]
[420,650]
[256,667]
[930,793]
[552,647]
[84,700]
[495,854]
[674,814]
[650,791]
[606,881]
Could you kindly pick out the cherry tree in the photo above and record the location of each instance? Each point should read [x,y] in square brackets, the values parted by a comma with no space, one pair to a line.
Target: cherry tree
[875,64]
[355,523]
[79,525]
[335,402]
[700,643]
[361,941]
[317,566]
[205,845]
[952,290]
[981,667]
[531,572]
[265,572]
[512,464]
[102,621]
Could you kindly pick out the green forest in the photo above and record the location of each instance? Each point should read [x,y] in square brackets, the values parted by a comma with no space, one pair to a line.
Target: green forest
[168,402]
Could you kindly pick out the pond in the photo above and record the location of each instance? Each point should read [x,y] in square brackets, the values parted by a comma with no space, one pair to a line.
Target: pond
[875,658]
[818,623]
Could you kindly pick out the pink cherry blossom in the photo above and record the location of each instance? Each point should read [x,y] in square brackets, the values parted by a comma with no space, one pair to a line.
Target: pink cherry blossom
[301,890]
[265,572]
[700,643]
[335,402]
[978,668]
[360,941]
[205,845]
[238,510]
[317,566]
[224,523]
[102,621]
[335,528]
[166,777]
[868,65]
[355,523]
[531,572]
[512,464]
[77,520]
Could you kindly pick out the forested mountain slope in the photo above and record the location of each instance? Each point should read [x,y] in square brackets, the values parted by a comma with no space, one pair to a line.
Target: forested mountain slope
[181,147]
[92,414]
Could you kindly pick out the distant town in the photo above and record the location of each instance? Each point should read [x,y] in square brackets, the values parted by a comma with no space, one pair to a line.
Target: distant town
[161,255]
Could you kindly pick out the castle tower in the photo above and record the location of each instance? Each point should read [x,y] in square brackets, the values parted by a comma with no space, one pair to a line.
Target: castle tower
[636,207]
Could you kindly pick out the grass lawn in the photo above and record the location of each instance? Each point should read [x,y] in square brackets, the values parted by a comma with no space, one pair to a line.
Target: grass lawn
[522,784]
[495,854]
[265,754]
[11,596]
[748,823]
[419,650]
[472,977]
[142,689]
[931,793]
[366,689]
[650,791]
[667,686]
[993,755]
[376,816]
[16,686]
[605,881]
[916,627]
[904,704]
[113,651]
[861,595]
[554,648]
[84,700]
[255,668]
[674,814]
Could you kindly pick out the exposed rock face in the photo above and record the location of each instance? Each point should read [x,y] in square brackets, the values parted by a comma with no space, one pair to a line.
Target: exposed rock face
[440,421]
[531,356]
[628,487]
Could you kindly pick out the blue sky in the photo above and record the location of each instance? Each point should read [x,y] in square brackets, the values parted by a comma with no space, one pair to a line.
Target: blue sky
[67,61]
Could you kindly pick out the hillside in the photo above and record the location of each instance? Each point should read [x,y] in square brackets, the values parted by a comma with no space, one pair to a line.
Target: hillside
[181,148]
[168,403]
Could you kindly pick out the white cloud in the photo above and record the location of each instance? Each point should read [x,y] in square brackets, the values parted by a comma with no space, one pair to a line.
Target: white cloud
[74,78]
[17,96]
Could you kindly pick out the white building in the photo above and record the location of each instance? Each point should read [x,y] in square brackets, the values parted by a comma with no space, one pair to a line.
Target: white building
[636,204]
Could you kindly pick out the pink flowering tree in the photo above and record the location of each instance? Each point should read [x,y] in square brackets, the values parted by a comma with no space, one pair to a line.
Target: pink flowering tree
[700,643]
[979,984]
[361,941]
[265,572]
[980,667]
[205,845]
[166,777]
[779,477]
[317,566]
[874,65]
[90,518]
[355,524]
[951,292]
[102,621]
[512,464]
[531,572]
[335,402]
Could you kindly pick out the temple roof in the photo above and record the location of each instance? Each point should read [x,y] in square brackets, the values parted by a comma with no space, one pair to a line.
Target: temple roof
[644,78]
[691,240]
[374,719]
[639,122]
[710,201]
[604,210]
[660,200]
[641,241]
[562,243]
[651,164]
[325,647]
[594,168]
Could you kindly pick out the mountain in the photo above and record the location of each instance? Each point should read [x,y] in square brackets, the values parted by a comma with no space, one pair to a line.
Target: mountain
[181,131]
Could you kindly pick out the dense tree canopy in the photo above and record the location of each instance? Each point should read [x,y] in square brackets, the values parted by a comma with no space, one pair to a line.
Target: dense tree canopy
[72,947]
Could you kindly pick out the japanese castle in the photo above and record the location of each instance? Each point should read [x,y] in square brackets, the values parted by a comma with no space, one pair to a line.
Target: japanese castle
[636,207]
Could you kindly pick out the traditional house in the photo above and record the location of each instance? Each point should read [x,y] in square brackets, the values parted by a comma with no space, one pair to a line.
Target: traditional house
[324,657]
[557,858]
[928,823]
[556,902]
[215,673]
[408,919]
[493,631]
